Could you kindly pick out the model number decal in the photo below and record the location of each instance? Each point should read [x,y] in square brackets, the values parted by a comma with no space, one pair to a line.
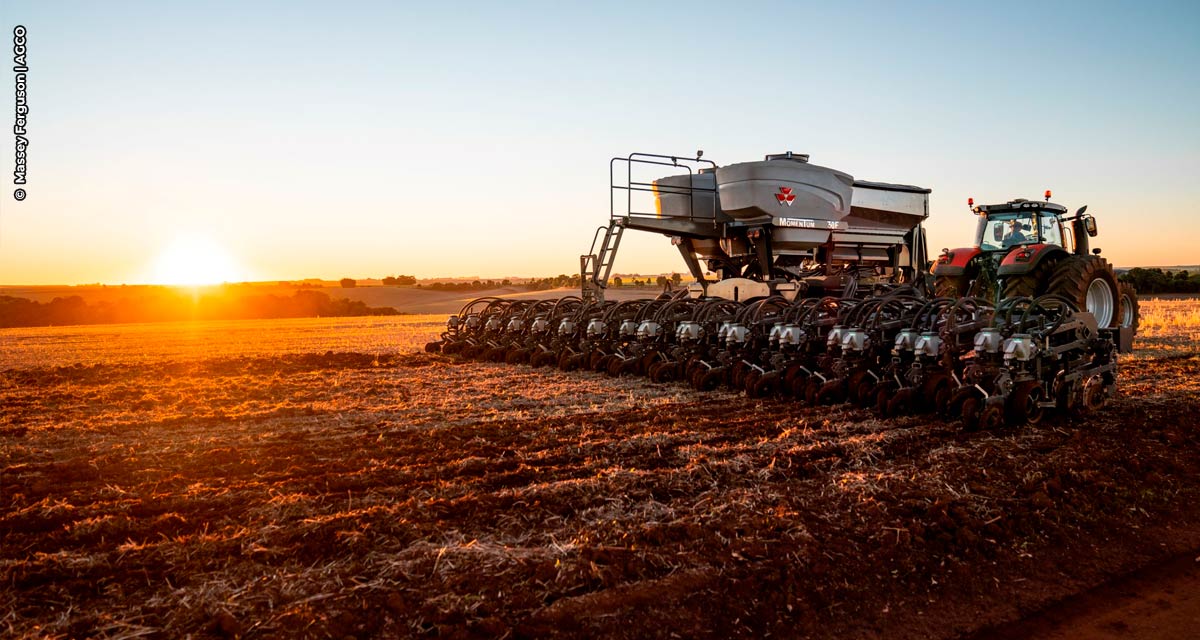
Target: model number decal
[808,223]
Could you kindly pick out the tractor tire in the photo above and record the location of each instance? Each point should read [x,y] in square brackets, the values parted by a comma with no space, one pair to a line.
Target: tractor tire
[951,286]
[1089,282]
[433,347]
[1032,284]
[1131,315]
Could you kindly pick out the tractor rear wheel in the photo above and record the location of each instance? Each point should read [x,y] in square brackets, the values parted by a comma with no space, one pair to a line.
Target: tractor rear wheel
[1130,313]
[951,286]
[1089,282]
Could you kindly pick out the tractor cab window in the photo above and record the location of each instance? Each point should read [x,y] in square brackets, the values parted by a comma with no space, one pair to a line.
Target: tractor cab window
[1051,230]
[1006,230]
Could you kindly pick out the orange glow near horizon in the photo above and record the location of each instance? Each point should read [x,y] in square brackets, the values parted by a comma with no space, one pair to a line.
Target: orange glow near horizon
[194,260]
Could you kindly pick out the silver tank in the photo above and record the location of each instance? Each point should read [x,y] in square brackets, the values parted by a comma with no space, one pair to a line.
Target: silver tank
[691,195]
[803,201]
[782,186]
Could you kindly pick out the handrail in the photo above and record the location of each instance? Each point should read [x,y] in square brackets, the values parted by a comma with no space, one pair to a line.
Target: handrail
[630,185]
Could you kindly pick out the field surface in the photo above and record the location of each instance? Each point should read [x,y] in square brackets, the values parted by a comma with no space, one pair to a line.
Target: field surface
[403,299]
[326,478]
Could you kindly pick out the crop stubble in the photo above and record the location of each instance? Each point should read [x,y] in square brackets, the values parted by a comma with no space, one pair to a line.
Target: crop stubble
[286,487]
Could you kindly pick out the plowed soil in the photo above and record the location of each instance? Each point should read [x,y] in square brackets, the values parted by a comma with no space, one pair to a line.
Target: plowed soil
[394,493]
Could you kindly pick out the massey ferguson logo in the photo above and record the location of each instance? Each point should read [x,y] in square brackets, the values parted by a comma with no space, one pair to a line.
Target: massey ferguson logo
[785,196]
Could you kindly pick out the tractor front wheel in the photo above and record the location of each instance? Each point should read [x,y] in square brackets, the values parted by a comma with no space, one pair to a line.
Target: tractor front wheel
[1032,284]
[951,286]
[1130,313]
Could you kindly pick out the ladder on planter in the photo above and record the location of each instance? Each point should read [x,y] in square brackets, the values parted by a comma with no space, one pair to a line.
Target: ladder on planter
[596,266]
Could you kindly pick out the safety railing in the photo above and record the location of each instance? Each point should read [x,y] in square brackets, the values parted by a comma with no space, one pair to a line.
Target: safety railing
[636,164]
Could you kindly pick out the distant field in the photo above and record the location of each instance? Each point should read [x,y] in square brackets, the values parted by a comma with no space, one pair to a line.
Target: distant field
[190,341]
[404,299]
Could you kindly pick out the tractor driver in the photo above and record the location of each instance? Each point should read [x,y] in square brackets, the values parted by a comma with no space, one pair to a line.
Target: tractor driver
[1016,234]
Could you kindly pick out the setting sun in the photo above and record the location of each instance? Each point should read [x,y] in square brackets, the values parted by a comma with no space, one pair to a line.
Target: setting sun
[192,260]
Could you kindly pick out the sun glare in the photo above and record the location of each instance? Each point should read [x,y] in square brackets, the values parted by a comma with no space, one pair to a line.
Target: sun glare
[194,260]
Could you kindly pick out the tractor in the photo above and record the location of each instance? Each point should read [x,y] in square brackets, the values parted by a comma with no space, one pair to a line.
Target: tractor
[1029,248]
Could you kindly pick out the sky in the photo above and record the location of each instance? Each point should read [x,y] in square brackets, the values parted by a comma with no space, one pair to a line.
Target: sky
[280,141]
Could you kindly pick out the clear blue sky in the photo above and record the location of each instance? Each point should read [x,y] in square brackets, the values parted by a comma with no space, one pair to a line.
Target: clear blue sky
[441,139]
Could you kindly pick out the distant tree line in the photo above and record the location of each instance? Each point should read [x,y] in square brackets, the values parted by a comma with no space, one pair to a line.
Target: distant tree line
[1159,281]
[169,305]
[554,282]
[675,279]
[532,284]
[474,285]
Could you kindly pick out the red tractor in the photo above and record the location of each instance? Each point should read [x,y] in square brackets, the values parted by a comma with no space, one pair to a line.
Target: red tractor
[1030,248]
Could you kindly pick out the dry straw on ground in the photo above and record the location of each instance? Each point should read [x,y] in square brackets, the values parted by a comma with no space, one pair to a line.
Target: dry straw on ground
[322,478]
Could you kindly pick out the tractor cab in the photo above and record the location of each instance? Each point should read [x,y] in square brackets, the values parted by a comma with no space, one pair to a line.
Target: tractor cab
[1019,223]
[1024,223]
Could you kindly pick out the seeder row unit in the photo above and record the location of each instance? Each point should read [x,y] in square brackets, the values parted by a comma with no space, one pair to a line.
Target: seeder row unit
[899,353]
